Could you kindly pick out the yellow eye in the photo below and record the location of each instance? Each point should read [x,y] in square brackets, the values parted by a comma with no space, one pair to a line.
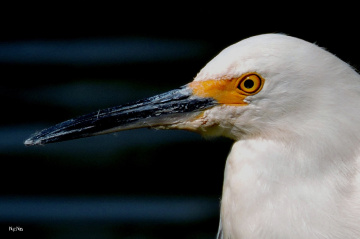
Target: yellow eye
[250,84]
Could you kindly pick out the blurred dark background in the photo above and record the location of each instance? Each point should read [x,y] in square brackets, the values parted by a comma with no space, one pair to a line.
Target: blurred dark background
[59,61]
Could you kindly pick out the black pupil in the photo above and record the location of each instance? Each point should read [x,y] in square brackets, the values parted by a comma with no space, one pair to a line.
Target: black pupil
[249,84]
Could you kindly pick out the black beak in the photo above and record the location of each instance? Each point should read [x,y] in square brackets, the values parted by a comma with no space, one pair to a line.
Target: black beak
[163,110]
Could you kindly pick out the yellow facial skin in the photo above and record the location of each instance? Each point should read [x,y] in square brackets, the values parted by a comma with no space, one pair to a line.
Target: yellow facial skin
[229,91]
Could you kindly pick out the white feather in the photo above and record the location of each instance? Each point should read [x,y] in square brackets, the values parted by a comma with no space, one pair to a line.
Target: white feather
[294,169]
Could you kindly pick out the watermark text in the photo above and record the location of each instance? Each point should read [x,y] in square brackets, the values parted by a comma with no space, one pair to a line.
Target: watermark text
[15,229]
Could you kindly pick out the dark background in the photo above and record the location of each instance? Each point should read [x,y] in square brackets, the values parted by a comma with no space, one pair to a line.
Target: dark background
[59,61]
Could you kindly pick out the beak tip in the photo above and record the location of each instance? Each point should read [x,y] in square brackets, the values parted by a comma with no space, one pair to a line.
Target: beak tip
[31,142]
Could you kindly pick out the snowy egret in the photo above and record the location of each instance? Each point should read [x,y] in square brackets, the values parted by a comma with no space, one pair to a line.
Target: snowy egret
[292,109]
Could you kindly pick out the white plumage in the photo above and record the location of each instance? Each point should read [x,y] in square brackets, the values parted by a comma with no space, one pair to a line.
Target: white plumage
[293,171]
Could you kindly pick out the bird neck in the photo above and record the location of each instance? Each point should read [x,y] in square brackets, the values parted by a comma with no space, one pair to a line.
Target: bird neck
[279,162]
[269,184]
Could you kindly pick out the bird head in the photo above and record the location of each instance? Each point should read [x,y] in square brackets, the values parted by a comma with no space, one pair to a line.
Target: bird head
[259,87]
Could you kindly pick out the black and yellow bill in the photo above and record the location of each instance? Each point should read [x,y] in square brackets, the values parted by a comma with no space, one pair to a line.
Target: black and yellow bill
[160,110]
